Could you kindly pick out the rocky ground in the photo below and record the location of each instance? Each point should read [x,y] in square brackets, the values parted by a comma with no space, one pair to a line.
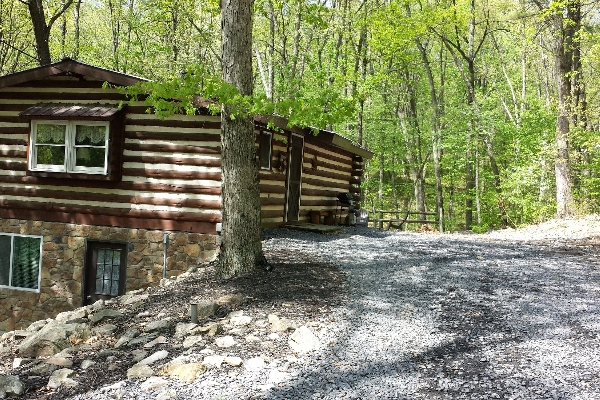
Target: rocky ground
[366,314]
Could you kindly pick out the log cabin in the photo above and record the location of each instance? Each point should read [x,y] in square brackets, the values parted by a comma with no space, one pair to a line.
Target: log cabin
[97,199]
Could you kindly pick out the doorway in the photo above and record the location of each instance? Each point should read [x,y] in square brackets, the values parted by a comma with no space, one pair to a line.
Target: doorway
[294,178]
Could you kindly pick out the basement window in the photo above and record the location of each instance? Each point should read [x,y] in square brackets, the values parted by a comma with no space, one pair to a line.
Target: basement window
[20,261]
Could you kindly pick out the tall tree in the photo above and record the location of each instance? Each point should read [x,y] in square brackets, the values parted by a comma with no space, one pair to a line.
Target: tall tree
[564,22]
[241,247]
[41,27]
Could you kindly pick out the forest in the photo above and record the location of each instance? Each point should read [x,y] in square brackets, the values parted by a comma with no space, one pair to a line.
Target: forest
[483,111]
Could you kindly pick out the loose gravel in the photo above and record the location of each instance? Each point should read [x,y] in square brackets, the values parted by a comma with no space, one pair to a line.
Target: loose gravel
[430,316]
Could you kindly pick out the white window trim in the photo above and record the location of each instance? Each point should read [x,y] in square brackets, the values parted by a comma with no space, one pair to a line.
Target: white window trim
[39,284]
[70,148]
[270,149]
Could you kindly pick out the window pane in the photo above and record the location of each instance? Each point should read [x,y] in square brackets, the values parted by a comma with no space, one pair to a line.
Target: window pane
[100,270]
[265,150]
[90,157]
[53,155]
[50,134]
[90,135]
[26,262]
[4,260]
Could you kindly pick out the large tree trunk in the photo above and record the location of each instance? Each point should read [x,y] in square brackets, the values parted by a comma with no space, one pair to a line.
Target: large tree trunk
[41,31]
[241,247]
[41,28]
[562,165]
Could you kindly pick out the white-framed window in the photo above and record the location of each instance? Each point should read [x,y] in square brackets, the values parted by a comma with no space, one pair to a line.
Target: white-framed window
[69,146]
[265,150]
[20,261]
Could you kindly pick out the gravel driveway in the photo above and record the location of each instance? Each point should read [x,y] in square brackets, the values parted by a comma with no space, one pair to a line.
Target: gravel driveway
[452,316]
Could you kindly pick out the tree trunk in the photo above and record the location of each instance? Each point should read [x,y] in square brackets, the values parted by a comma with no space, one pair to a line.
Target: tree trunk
[41,31]
[562,165]
[241,247]
[436,139]
[77,30]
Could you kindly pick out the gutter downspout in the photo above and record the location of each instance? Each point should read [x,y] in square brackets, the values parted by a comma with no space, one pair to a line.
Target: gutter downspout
[166,244]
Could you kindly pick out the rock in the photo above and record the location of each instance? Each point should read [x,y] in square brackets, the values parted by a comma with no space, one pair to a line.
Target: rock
[281,324]
[231,300]
[213,361]
[37,325]
[303,340]
[184,329]
[132,298]
[160,325]
[192,341]
[159,355]
[274,336]
[127,336]
[206,309]
[185,372]
[153,383]
[62,377]
[272,318]
[225,341]
[158,340]
[10,386]
[142,339]
[65,316]
[139,371]
[105,314]
[139,355]
[18,362]
[252,339]
[104,330]
[233,361]
[85,364]
[42,368]
[240,320]
[109,352]
[254,364]
[60,361]
[48,341]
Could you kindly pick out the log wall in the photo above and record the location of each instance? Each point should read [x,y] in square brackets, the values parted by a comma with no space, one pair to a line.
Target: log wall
[171,168]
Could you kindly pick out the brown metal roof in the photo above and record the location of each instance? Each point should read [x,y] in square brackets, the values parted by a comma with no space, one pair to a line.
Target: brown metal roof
[69,67]
[95,111]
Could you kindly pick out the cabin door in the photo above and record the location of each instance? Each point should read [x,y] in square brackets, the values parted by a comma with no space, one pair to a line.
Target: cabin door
[294,178]
[105,268]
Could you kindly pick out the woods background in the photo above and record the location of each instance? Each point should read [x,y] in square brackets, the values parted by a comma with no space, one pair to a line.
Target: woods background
[486,112]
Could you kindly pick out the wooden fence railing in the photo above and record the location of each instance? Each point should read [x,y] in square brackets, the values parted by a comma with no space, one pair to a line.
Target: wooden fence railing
[399,219]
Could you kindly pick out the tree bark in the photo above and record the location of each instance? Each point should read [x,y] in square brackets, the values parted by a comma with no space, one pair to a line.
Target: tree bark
[41,31]
[241,247]
[562,164]
[41,28]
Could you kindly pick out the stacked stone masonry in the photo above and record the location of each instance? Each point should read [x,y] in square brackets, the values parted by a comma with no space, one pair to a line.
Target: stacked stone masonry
[63,259]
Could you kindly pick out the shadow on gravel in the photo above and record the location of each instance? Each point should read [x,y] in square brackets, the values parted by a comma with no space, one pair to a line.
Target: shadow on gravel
[491,320]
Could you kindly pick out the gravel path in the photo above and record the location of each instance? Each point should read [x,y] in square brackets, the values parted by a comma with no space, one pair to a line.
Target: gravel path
[451,316]
[430,316]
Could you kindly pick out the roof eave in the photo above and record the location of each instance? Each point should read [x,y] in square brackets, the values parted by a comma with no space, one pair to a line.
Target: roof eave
[68,65]
[323,135]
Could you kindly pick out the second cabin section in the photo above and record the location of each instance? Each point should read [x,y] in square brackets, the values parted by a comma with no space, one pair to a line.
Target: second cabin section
[303,172]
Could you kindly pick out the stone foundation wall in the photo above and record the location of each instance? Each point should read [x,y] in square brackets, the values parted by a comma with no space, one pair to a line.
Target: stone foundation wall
[63,259]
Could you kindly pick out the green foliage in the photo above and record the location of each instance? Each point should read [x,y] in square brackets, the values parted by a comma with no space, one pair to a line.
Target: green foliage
[198,88]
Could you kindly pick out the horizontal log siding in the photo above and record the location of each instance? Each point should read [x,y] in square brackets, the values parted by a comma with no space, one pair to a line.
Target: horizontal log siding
[171,168]
[327,171]
[272,183]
